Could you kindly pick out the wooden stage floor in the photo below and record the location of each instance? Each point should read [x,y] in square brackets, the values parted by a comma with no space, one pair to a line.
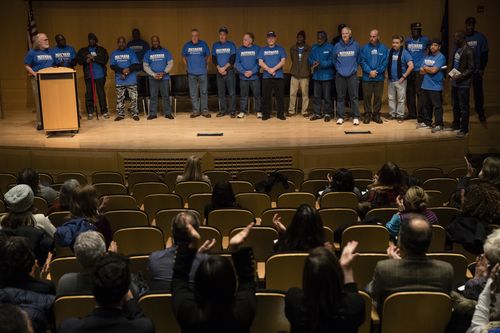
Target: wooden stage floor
[161,134]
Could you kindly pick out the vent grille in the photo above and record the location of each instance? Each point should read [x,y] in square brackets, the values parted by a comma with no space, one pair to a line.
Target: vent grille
[267,163]
[158,165]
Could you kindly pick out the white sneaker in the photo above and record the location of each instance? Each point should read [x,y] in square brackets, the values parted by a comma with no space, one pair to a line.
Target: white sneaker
[340,121]
[241,115]
[355,121]
[259,115]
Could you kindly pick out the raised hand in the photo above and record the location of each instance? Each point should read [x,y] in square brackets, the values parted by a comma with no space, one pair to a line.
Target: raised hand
[393,252]
[277,223]
[193,235]
[348,254]
[207,246]
[237,240]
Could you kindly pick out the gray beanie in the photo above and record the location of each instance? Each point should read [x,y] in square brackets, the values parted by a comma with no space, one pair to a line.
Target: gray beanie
[19,198]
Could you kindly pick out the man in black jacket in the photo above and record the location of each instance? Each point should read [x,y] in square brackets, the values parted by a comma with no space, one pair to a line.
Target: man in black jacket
[95,57]
[463,62]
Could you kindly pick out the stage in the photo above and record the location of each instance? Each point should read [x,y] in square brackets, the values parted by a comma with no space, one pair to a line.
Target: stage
[163,144]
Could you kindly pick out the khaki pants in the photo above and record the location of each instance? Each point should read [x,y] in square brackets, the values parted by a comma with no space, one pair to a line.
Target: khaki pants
[295,84]
[36,100]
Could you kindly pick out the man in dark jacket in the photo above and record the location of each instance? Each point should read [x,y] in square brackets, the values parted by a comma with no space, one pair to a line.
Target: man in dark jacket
[299,54]
[463,62]
[95,57]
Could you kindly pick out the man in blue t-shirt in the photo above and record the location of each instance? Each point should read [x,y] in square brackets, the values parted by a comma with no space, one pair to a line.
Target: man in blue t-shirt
[432,87]
[346,57]
[373,63]
[195,55]
[418,47]
[321,62]
[64,55]
[125,64]
[94,59]
[39,57]
[479,45]
[399,67]
[272,58]
[140,47]
[223,58]
[157,64]
[247,65]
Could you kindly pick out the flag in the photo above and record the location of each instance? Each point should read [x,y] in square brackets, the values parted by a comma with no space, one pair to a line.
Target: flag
[445,31]
[31,28]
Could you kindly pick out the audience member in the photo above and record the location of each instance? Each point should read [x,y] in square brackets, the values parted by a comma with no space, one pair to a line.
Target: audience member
[66,193]
[486,317]
[14,320]
[341,181]
[192,171]
[222,197]
[30,177]
[386,187]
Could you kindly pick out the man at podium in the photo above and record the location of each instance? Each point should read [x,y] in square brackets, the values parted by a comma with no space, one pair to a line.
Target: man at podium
[39,57]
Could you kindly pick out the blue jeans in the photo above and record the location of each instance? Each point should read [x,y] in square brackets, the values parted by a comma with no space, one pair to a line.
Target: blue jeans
[198,91]
[228,82]
[345,85]
[322,90]
[161,86]
[245,86]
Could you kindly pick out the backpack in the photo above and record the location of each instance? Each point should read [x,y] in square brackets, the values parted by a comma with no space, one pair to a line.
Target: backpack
[67,233]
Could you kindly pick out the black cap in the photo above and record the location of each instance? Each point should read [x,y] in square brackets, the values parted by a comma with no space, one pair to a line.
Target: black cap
[416,25]
[224,29]
[470,20]
[271,34]
[436,41]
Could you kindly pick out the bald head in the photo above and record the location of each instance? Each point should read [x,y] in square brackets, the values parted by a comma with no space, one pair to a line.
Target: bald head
[374,38]
[415,235]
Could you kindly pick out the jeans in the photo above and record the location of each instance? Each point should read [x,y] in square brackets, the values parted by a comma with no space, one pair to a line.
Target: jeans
[477,87]
[322,89]
[228,82]
[161,86]
[397,96]
[460,101]
[346,85]
[433,103]
[101,95]
[295,84]
[245,86]
[414,96]
[120,99]
[373,89]
[268,86]
[198,92]
[36,101]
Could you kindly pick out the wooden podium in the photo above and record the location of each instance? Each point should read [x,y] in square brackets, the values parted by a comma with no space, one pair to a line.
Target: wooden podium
[58,99]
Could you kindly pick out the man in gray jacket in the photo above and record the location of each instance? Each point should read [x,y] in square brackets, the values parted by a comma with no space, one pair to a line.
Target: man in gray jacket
[300,71]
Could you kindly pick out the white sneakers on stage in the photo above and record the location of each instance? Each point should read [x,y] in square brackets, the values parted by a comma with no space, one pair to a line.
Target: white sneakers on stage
[355,121]
[259,115]
[241,115]
[340,121]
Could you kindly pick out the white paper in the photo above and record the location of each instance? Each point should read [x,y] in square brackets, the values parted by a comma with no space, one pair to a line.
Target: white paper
[454,72]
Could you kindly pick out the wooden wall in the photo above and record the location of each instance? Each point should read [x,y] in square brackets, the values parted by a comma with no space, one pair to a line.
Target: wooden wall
[172,21]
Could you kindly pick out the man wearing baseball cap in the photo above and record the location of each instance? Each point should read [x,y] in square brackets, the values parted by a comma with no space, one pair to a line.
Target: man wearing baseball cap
[223,57]
[272,58]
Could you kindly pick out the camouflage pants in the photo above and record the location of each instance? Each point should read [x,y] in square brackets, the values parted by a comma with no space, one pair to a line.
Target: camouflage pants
[120,99]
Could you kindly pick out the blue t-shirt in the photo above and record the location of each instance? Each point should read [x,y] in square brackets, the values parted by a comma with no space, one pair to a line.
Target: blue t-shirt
[39,59]
[271,57]
[158,60]
[140,47]
[405,58]
[434,82]
[246,60]
[64,56]
[223,52]
[124,59]
[97,69]
[417,48]
[479,44]
[195,55]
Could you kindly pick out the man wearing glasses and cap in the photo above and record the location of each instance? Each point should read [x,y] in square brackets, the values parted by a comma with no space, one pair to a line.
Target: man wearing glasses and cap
[418,46]
[272,59]
[223,57]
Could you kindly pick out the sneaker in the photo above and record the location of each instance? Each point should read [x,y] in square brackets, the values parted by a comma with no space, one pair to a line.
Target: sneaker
[461,135]
[423,126]
[242,115]
[437,128]
[169,116]
[327,118]
[90,116]
[315,117]
[195,114]
[259,115]
[220,114]
[340,121]
[355,121]
[206,114]
[151,117]
[118,118]
[136,117]
[106,115]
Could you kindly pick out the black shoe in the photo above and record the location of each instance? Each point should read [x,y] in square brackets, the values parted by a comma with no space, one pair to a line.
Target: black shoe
[482,119]
[206,115]
[233,115]
[306,115]
[316,117]
[366,119]
[169,116]
[194,115]
[281,117]
[39,127]
[378,120]
[265,117]
[151,117]
[288,114]
[220,114]
[119,118]
[136,117]
[392,118]
[327,119]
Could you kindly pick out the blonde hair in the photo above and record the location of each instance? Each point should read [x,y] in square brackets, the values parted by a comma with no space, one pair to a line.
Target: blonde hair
[192,170]
[36,40]
[416,199]
[492,247]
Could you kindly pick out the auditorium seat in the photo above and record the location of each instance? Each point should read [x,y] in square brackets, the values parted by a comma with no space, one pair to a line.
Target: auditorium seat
[61,266]
[59,218]
[371,238]
[125,218]
[382,215]
[110,188]
[361,173]
[371,315]
[286,215]
[107,177]
[6,179]
[139,265]
[119,202]
[41,206]
[328,234]
[217,176]
[320,173]
[171,177]
[362,183]
[158,308]
[142,177]
[261,240]
[447,186]
[280,188]
[252,176]
[270,313]
[198,202]
[438,239]
[445,215]
[154,203]
[72,306]
[257,203]
[284,271]
[226,220]
[339,200]
[457,173]
[45,179]
[436,198]
[363,267]
[295,199]
[209,233]
[416,312]
[139,240]
[314,186]
[335,218]
[459,263]
[241,186]
[294,175]
[64,176]
[140,190]
[185,189]
[56,186]
[426,173]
